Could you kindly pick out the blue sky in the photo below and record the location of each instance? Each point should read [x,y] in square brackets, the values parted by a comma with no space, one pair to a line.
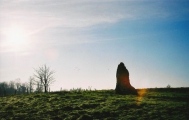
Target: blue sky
[84,41]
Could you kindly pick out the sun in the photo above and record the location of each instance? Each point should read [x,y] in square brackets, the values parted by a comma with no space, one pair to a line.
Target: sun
[15,39]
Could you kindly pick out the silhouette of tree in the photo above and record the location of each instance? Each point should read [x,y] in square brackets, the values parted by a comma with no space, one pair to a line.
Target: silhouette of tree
[44,77]
[168,86]
[18,84]
[39,87]
[31,83]
[13,87]
[0,90]
[23,88]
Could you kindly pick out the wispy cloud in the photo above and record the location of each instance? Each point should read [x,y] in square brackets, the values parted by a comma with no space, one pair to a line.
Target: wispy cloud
[42,17]
[57,32]
[83,13]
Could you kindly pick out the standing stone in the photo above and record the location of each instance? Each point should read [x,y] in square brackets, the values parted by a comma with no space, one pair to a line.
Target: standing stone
[123,85]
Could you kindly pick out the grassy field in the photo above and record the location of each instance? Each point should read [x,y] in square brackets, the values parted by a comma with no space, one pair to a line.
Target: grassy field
[152,104]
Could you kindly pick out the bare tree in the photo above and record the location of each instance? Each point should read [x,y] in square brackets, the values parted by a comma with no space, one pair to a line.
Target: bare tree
[31,83]
[44,76]
[12,84]
[18,84]
[39,87]
[12,87]
[23,88]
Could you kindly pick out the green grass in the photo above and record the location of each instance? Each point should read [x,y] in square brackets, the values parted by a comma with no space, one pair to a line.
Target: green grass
[154,104]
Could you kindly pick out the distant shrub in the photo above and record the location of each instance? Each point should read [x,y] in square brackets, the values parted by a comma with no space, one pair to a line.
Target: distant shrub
[76,90]
[168,86]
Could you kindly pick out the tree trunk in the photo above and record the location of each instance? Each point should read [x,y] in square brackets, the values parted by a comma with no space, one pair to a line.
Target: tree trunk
[46,89]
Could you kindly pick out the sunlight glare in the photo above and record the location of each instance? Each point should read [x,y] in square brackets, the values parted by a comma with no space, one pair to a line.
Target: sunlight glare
[16,39]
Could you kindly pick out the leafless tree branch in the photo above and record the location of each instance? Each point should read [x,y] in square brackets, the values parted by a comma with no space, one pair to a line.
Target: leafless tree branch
[44,76]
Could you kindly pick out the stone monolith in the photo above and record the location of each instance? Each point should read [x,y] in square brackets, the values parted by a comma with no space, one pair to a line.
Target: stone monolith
[123,85]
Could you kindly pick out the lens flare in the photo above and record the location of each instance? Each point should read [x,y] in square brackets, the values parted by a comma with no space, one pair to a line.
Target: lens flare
[141,94]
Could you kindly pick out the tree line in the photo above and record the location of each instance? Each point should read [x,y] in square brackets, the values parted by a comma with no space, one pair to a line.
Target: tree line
[39,82]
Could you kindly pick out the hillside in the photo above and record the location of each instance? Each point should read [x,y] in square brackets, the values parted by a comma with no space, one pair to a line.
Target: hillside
[164,103]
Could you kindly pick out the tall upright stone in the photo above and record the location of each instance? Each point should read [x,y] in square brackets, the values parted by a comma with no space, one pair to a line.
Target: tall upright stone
[123,85]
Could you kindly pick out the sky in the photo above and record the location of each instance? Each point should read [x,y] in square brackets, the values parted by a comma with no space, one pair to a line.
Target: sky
[83,41]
